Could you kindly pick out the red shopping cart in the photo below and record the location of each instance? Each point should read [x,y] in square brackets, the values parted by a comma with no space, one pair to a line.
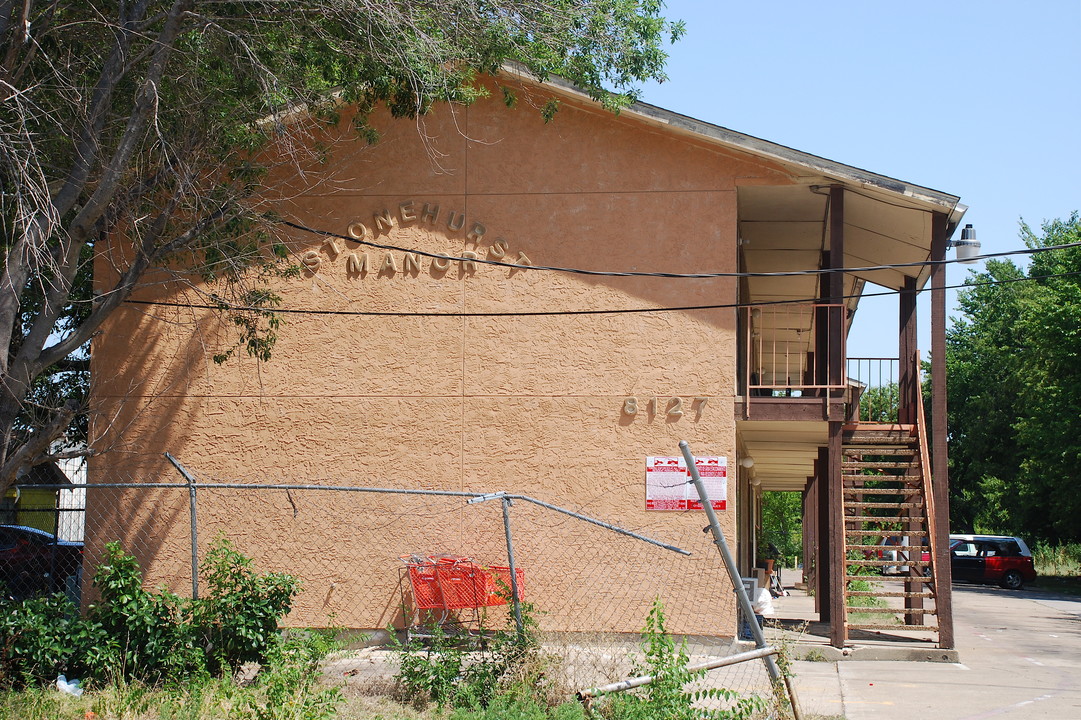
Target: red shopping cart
[449,590]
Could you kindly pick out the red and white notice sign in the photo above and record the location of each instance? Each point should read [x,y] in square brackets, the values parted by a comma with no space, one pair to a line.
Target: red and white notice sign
[669,486]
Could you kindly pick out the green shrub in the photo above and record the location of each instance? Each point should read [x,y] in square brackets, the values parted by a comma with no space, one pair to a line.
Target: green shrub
[134,635]
[668,696]
[430,671]
[238,620]
[468,672]
[41,638]
[290,680]
[150,635]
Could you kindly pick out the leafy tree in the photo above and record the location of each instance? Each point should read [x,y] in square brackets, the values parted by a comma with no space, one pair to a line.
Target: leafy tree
[142,121]
[1014,368]
[782,524]
[879,403]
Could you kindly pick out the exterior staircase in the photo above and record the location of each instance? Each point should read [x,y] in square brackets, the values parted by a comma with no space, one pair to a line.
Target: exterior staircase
[888,506]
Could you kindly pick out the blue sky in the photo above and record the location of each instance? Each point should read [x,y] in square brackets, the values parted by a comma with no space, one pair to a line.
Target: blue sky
[981,99]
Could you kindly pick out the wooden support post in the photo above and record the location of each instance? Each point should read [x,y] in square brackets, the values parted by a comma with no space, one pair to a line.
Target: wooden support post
[807,530]
[819,358]
[810,546]
[825,587]
[837,284]
[908,391]
[834,528]
[908,394]
[939,453]
[837,566]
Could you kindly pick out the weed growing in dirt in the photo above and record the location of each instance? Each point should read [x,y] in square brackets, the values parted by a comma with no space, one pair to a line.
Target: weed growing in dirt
[668,695]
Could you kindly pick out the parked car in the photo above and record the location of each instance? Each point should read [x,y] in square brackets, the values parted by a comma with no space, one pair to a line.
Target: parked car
[1002,559]
[887,551]
[33,562]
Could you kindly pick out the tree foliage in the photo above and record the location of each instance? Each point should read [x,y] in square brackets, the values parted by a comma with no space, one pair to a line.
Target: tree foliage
[880,403]
[140,120]
[782,525]
[1014,368]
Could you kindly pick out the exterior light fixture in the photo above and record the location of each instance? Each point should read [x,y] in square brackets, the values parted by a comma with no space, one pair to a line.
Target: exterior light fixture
[968,247]
[747,462]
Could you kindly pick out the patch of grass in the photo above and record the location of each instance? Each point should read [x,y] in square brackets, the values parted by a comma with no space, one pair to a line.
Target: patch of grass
[1060,584]
[1058,567]
[214,700]
[867,602]
[1060,560]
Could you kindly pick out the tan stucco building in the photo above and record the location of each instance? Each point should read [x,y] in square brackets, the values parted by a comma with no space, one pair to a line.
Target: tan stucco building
[399,369]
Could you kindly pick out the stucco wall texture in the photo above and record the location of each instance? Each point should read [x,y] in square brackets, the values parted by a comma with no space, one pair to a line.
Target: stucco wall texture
[527,404]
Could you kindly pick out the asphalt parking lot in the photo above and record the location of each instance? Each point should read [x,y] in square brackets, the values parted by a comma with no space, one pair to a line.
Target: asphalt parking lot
[1020,657]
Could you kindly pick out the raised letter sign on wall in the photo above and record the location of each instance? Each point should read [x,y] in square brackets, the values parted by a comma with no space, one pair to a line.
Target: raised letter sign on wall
[669,486]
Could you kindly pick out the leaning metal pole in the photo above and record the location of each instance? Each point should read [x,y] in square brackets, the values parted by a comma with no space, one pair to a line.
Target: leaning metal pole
[586,697]
[733,573]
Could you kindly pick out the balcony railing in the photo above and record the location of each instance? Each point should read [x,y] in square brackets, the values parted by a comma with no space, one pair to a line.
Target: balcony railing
[794,350]
[875,388]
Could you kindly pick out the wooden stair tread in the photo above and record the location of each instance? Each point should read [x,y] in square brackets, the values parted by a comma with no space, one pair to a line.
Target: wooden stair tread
[862,626]
[867,426]
[891,578]
[877,465]
[880,518]
[852,494]
[889,610]
[886,547]
[853,504]
[892,478]
[889,593]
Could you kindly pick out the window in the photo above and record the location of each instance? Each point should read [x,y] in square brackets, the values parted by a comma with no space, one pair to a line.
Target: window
[964,549]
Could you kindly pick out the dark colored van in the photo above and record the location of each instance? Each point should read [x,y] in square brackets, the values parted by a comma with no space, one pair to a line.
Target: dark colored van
[996,559]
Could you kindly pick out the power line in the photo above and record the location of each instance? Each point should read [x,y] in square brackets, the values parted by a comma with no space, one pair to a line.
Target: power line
[537,313]
[689,276]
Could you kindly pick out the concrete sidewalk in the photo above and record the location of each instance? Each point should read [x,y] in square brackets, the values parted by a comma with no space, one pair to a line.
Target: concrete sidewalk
[796,621]
[1017,657]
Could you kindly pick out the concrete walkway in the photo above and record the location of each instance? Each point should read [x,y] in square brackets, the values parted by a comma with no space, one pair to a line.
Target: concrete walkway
[796,620]
[1018,656]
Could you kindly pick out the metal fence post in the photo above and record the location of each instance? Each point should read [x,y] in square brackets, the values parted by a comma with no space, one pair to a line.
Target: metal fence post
[729,561]
[515,597]
[737,581]
[194,525]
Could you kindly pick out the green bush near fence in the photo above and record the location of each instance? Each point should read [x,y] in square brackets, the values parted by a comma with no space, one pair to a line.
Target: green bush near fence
[473,671]
[133,634]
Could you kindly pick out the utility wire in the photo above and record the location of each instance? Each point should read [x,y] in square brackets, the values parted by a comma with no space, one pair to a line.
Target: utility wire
[618,311]
[691,276]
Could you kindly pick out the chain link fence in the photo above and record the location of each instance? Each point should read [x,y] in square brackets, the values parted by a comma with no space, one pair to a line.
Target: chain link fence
[588,584]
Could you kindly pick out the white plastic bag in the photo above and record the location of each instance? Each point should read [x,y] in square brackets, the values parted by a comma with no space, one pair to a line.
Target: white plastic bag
[71,688]
[762,603]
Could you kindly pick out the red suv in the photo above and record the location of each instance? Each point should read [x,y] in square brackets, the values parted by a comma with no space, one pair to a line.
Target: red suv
[999,559]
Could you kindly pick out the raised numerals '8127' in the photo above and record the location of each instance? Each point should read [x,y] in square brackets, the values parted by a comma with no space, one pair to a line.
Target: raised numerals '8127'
[668,406]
